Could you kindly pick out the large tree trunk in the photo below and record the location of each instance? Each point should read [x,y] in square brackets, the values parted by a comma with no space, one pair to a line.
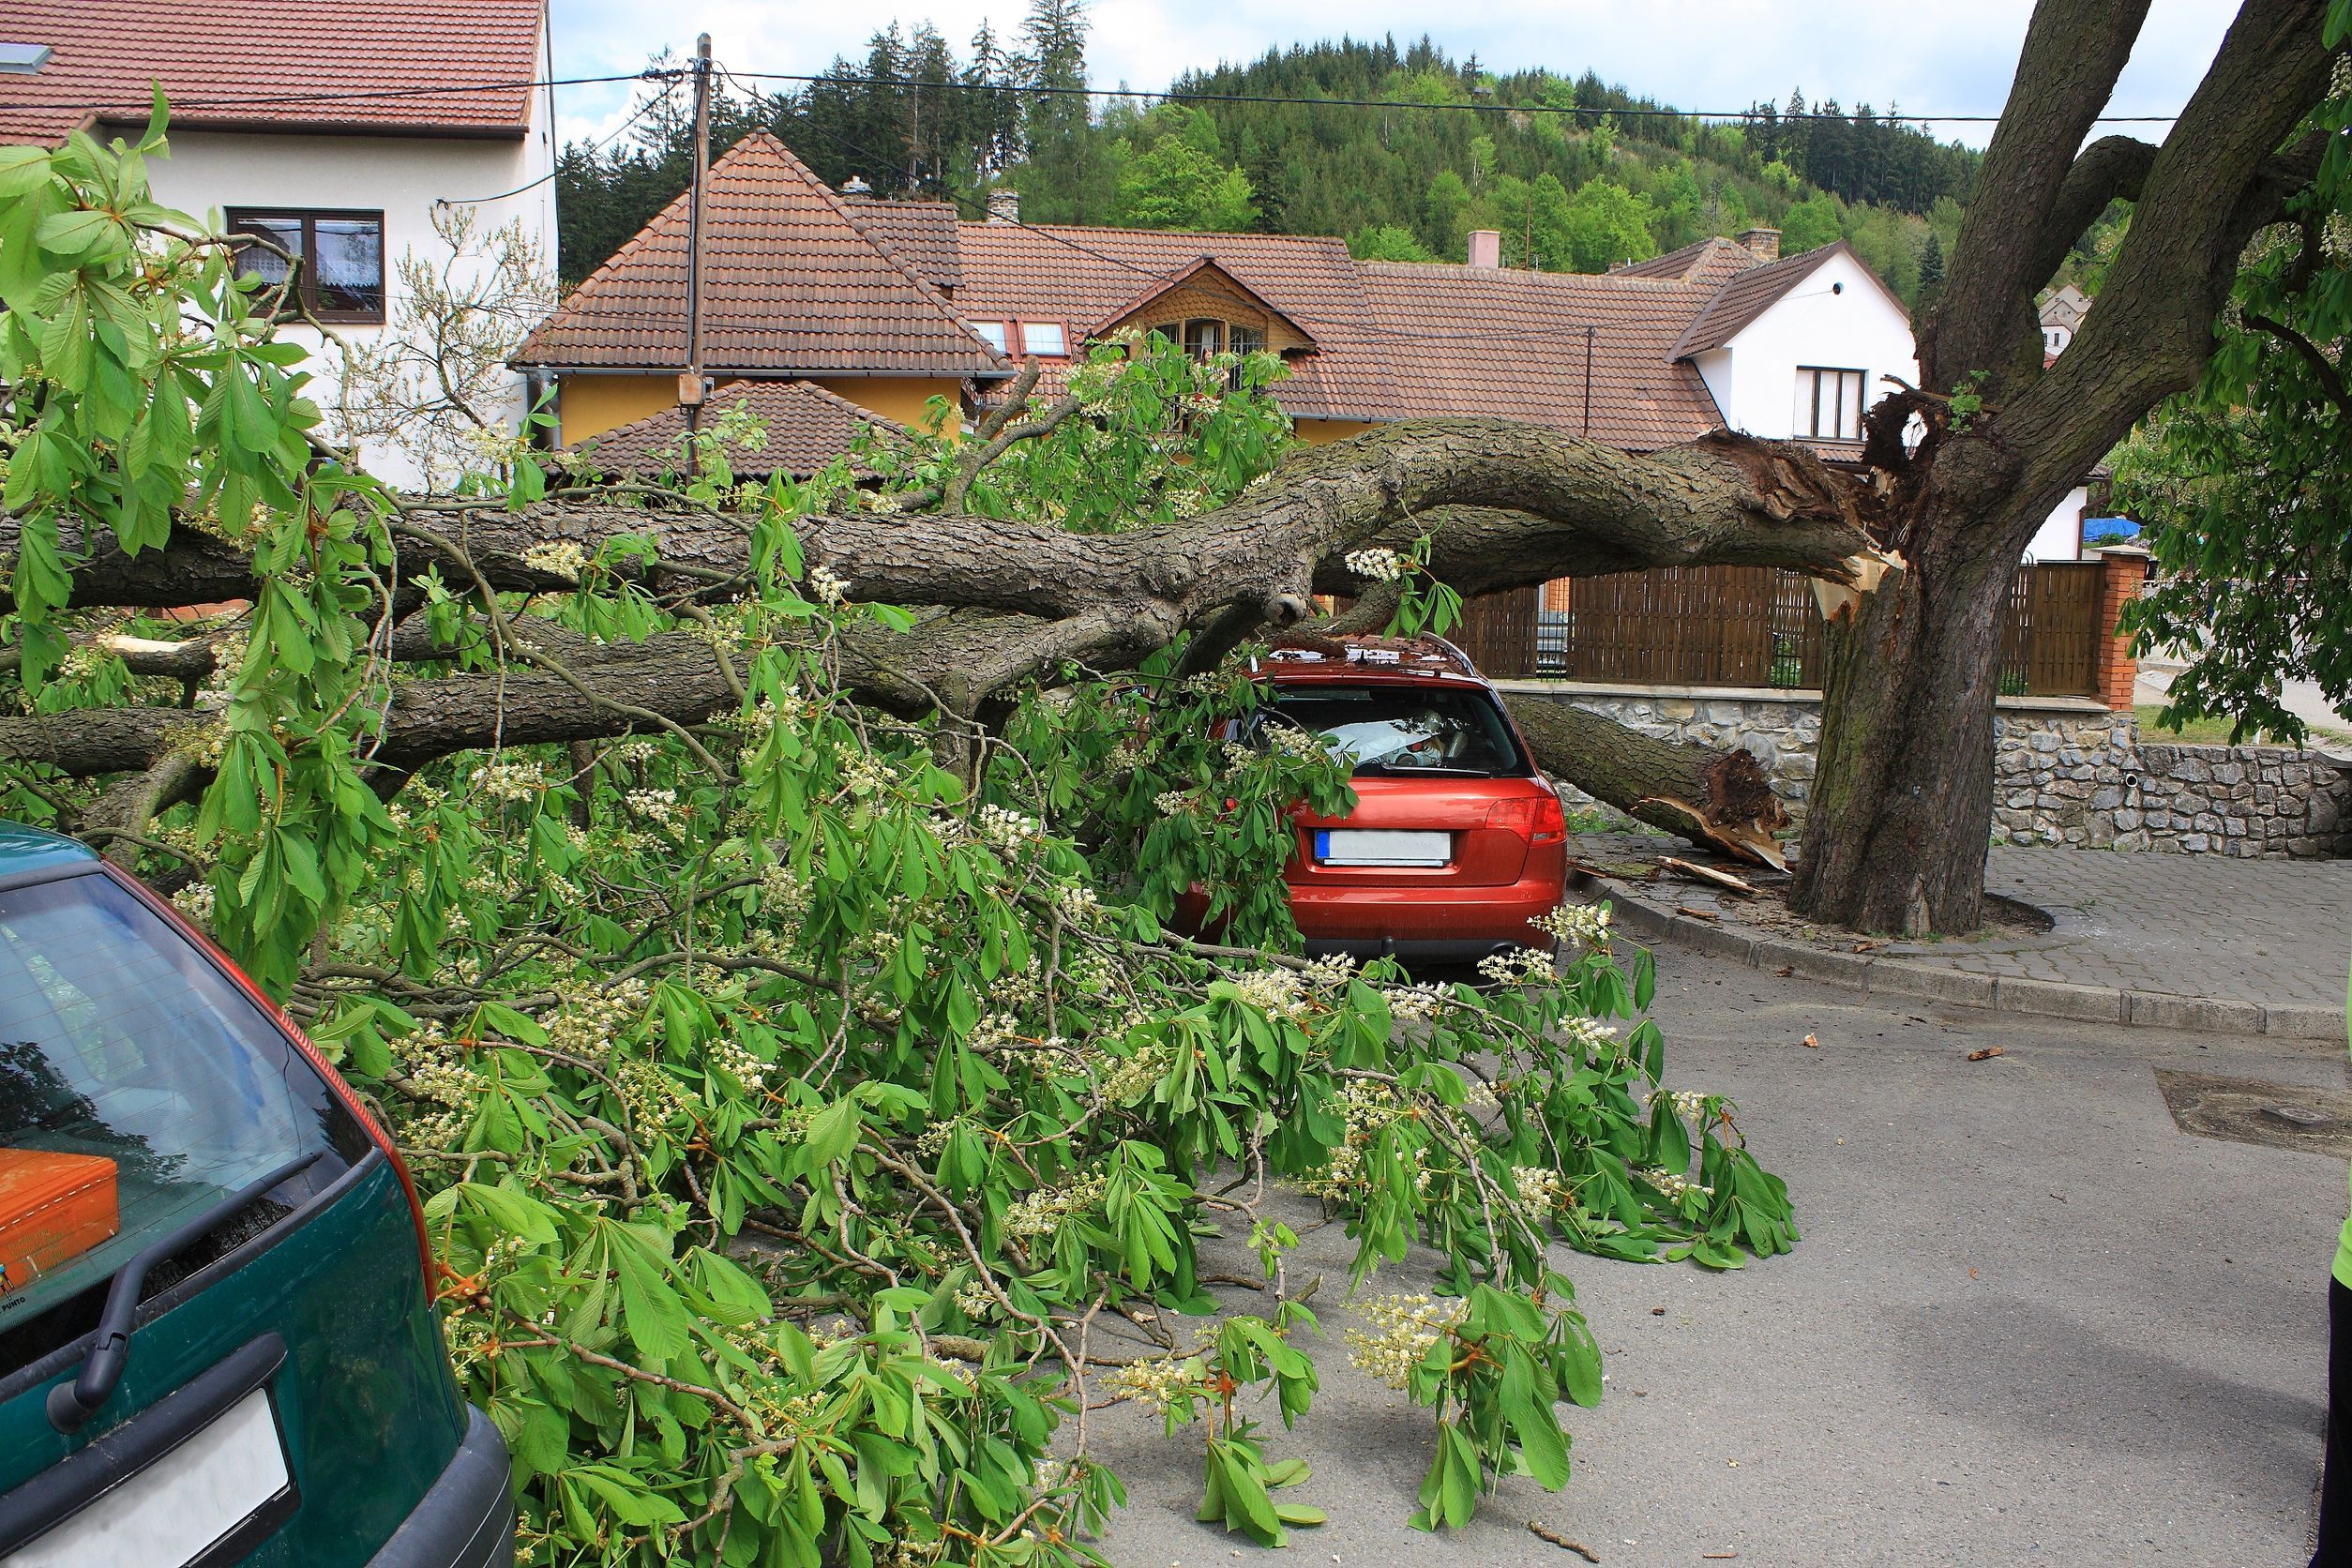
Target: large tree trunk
[1902,798]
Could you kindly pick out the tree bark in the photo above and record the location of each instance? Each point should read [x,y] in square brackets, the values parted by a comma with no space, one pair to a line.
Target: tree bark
[1902,804]
[1719,798]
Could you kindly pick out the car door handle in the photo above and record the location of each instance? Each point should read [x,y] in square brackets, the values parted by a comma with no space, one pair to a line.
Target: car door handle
[70,1404]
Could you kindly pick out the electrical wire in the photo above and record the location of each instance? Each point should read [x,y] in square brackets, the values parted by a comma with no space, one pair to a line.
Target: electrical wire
[1175,94]
[262,101]
[556,167]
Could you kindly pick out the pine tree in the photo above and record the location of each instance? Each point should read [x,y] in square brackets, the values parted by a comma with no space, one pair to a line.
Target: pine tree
[1931,262]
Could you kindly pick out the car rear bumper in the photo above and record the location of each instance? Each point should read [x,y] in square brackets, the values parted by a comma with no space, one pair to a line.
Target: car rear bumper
[468,1519]
[1423,922]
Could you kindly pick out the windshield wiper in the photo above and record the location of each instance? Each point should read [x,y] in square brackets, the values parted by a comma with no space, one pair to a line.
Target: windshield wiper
[71,1404]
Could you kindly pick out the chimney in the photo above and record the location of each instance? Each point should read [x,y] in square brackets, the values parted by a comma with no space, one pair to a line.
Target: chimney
[855,186]
[1485,248]
[1005,206]
[1764,242]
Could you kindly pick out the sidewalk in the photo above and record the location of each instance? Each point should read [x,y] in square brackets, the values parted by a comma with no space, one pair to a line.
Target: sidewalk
[2183,942]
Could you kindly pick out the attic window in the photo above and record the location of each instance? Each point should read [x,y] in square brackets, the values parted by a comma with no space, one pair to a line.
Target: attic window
[994,334]
[1828,404]
[23,59]
[1045,339]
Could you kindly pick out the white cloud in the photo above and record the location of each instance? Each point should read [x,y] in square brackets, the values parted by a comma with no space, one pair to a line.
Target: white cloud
[1706,54]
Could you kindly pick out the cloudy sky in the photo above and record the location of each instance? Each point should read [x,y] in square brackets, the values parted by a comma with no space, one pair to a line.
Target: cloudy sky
[1939,58]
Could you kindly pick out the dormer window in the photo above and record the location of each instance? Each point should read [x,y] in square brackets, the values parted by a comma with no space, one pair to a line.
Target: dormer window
[1019,340]
[1828,404]
[1204,339]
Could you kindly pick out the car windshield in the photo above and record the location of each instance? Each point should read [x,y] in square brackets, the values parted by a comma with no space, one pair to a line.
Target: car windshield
[1403,730]
[138,1087]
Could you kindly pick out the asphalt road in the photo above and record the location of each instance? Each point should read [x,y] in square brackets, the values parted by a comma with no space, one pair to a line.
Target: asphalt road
[2031,1321]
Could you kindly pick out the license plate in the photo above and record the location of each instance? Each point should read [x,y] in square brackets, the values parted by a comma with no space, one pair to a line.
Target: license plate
[1350,846]
[172,1512]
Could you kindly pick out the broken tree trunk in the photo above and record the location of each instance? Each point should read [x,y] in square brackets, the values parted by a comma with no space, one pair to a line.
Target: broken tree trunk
[1719,798]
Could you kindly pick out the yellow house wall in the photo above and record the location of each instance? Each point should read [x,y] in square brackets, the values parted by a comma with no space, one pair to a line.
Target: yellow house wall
[899,398]
[591,405]
[1314,433]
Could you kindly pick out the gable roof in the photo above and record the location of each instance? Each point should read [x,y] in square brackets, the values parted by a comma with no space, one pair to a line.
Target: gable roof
[806,428]
[791,285]
[1711,262]
[1752,292]
[921,232]
[1048,272]
[393,67]
[1510,345]
[1204,267]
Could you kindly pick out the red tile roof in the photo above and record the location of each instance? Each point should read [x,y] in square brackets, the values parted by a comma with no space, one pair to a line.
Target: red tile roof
[1711,262]
[1078,276]
[921,232]
[804,427]
[1750,294]
[1510,345]
[1200,267]
[403,67]
[791,285]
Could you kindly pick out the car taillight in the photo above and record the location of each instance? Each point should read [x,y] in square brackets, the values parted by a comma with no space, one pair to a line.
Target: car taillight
[1537,819]
[377,1135]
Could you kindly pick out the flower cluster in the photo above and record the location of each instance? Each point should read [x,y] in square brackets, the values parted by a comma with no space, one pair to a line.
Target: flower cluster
[976,1300]
[660,805]
[1404,1328]
[1426,1000]
[864,773]
[1585,925]
[1521,966]
[565,558]
[1006,829]
[1172,803]
[1131,1078]
[730,1057]
[1379,564]
[1294,740]
[508,780]
[1689,1103]
[826,588]
[1041,1213]
[1278,993]
[1331,972]
[1673,1186]
[1538,1187]
[1367,1107]
[195,901]
[1156,1383]
[587,1023]
[1078,903]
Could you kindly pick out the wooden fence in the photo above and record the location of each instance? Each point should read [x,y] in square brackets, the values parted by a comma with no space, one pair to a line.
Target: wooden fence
[1756,626]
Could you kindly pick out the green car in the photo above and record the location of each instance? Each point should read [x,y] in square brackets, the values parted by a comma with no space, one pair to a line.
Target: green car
[216,1340]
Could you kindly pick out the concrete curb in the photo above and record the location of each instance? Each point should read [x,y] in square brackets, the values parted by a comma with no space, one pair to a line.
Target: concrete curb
[1918,982]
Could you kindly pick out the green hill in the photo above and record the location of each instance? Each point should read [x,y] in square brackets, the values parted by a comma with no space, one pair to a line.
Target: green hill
[1402,150]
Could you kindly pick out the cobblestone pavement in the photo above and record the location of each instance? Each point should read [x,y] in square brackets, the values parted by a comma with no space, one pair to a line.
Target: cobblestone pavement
[2272,931]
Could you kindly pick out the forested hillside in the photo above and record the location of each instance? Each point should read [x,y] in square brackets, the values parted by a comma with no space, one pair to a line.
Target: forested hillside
[1403,150]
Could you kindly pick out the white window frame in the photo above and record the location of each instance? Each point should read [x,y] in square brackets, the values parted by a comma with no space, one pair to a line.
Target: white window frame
[1838,392]
[996,335]
[1061,334]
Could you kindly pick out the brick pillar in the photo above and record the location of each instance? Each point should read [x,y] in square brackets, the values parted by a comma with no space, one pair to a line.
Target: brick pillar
[2119,671]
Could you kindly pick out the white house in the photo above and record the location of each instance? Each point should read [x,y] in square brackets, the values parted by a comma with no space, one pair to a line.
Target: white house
[335,129]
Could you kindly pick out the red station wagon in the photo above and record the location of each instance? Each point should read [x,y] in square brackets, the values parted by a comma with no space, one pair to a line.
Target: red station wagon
[1456,840]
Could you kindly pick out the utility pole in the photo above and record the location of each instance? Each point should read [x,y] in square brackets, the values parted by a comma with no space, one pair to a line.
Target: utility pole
[691,383]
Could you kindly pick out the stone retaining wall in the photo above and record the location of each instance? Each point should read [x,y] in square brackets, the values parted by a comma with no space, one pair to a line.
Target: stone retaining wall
[2065,771]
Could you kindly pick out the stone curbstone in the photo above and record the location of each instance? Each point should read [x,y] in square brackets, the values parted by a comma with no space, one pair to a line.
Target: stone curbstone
[1927,982]
[2054,998]
[1713,939]
[1893,977]
[2303,1022]
[2211,1014]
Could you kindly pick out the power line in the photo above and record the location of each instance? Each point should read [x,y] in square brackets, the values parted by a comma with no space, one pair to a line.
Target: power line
[556,167]
[1175,94]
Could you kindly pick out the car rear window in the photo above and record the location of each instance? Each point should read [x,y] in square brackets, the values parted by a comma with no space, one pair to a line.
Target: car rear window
[122,1045]
[1401,730]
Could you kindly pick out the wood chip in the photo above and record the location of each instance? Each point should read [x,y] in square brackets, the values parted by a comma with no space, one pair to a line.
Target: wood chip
[1988,1051]
[1718,1557]
[1542,1534]
[1696,914]
[1812,1044]
[1697,872]
[1786,969]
